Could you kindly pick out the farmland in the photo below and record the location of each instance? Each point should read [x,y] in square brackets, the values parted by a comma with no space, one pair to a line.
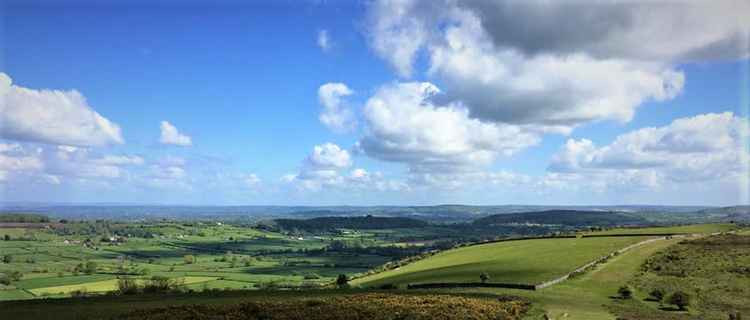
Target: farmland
[225,267]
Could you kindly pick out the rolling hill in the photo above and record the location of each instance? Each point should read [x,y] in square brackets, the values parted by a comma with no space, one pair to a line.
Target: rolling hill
[517,262]
[576,218]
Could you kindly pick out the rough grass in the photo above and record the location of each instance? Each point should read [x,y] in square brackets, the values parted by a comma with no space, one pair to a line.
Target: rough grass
[108,307]
[714,270]
[375,306]
[525,261]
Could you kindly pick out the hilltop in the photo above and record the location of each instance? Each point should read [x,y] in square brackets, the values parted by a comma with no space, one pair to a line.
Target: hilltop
[563,217]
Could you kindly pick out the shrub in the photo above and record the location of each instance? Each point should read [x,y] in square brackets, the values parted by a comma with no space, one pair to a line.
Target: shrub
[342,280]
[4,280]
[6,237]
[680,299]
[311,276]
[657,294]
[7,258]
[80,293]
[484,277]
[15,275]
[189,259]
[388,286]
[127,285]
[157,284]
[90,267]
[625,292]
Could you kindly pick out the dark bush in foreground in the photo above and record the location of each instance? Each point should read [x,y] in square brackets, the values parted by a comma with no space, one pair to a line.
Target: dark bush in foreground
[680,299]
[360,306]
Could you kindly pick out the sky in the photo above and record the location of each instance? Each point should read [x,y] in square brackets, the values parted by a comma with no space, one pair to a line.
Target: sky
[383,102]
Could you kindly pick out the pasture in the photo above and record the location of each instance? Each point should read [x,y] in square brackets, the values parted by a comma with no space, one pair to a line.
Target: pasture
[521,262]
[686,229]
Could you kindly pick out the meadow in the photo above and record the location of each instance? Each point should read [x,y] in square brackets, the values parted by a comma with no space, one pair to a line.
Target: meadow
[521,262]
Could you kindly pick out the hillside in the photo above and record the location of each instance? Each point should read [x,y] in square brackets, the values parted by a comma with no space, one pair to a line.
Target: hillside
[366,222]
[516,262]
[577,218]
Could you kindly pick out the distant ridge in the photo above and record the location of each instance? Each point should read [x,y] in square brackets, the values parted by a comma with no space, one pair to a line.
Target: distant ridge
[563,217]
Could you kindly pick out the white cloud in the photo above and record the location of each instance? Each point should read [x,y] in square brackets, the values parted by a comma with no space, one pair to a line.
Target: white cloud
[323,41]
[21,164]
[336,116]
[405,125]
[328,156]
[170,135]
[251,180]
[689,150]
[53,117]
[324,169]
[536,63]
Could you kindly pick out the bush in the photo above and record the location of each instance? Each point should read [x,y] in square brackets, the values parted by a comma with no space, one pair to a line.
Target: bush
[311,276]
[127,286]
[189,259]
[15,275]
[7,258]
[342,280]
[657,294]
[625,292]
[484,277]
[680,299]
[4,280]
[80,293]
[157,284]
[90,267]
[388,286]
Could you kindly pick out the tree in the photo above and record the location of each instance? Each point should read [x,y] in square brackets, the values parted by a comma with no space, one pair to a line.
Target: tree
[657,294]
[6,237]
[484,277]
[342,280]
[15,275]
[625,292]
[90,267]
[7,258]
[189,259]
[127,285]
[680,299]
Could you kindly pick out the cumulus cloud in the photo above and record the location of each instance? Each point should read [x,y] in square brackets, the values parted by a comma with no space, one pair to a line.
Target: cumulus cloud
[404,124]
[323,41]
[53,117]
[26,163]
[335,115]
[328,156]
[700,148]
[170,135]
[555,65]
[326,169]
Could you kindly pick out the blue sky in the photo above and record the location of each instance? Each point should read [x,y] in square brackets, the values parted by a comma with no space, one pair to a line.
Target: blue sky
[516,120]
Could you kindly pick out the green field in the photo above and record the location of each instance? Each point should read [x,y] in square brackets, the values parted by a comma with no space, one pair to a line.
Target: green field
[524,261]
[104,286]
[687,229]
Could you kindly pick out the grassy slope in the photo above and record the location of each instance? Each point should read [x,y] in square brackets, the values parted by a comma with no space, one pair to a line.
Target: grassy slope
[586,297]
[697,228]
[526,261]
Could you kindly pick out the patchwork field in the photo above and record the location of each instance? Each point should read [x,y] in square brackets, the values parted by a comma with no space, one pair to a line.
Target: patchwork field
[524,262]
